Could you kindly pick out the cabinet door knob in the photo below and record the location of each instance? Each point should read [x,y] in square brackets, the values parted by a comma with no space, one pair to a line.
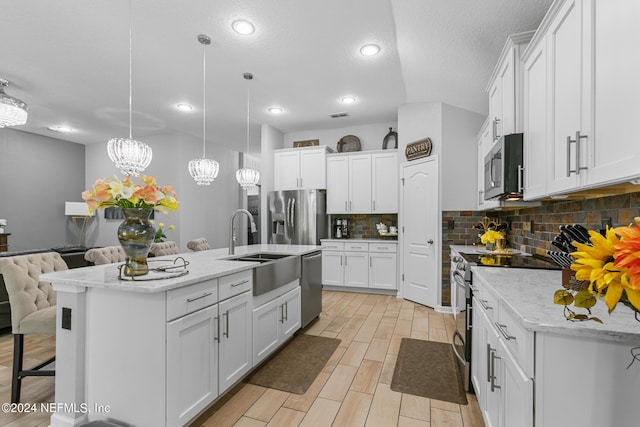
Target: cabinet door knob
[430,241]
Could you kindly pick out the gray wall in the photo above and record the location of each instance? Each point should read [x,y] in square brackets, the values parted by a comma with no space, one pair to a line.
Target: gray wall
[37,175]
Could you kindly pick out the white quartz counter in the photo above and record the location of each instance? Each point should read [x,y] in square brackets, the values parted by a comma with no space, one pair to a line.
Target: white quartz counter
[203,265]
[361,240]
[528,294]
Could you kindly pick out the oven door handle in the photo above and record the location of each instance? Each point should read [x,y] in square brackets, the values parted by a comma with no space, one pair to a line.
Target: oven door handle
[453,344]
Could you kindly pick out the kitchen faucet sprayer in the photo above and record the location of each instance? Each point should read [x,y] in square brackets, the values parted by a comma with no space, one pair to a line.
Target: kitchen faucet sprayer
[232,233]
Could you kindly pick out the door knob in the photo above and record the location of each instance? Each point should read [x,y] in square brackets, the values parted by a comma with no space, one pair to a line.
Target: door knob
[430,241]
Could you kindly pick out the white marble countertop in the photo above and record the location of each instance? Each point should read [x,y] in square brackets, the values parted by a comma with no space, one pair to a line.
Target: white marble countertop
[480,249]
[203,265]
[528,294]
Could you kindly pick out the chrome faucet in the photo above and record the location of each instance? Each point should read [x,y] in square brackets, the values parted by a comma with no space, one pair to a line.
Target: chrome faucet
[232,232]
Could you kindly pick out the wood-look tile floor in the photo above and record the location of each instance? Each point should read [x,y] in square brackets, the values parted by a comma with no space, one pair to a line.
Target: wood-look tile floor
[352,390]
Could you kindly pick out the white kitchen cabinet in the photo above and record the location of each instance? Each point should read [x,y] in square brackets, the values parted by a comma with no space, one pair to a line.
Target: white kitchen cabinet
[362,182]
[383,266]
[479,365]
[384,174]
[535,122]
[300,168]
[592,94]
[517,391]
[235,356]
[192,364]
[358,264]
[505,88]
[274,322]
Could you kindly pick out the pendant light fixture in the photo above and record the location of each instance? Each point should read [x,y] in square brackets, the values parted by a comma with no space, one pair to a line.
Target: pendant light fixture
[130,156]
[13,112]
[204,170]
[247,178]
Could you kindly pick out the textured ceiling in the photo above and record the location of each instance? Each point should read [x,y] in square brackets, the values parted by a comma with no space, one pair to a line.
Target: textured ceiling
[68,59]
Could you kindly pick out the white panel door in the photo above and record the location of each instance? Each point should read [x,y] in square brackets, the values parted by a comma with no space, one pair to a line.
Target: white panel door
[508,92]
[535,124]
[360,183]
[235,343]
[517,392]
[384,173]
[313,169]
[292,314]
[420,231]
[266,326]
[565,45]
[495,109]
[192,365]
[332,268]
[382,271]
[615,153]
[337,184]
[356,269]
[286,170]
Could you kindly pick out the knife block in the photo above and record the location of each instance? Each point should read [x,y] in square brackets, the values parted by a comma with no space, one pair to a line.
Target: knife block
[569,281]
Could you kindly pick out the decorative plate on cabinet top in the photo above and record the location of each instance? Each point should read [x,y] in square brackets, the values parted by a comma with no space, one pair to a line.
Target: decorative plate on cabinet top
[348,143]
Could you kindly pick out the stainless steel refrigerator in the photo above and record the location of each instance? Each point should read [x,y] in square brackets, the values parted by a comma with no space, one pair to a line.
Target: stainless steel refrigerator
[297,217]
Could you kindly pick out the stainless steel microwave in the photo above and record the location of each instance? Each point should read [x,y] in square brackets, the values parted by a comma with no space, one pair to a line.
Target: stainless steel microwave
[503,169]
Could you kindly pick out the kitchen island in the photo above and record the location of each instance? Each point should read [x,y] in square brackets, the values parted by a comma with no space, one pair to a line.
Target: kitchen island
[157,353]
[585,373]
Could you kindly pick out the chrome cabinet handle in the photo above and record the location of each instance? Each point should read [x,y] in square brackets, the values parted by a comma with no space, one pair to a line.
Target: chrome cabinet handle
[233,285]
[349,205]
[217,320]
[480,201]
[370,262]
[286,311]
[341,260]
[374,205]
[346,208]
[200,297]
[483,303]
[577,142]
[494,386]
[226,332]
[520,178]
[504,333]
[281,313]
[489,350]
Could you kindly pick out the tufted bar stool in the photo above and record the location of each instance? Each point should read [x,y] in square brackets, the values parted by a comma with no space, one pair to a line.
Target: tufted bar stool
[33,307]
[106,255]
[200,244]
[164,248]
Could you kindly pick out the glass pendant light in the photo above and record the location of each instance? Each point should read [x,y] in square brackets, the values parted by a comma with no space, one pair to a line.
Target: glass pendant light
[204,170]
[247,178]
[13,112]
[130,156]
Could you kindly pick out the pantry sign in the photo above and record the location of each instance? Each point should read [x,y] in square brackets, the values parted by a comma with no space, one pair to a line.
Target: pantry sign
[418,149]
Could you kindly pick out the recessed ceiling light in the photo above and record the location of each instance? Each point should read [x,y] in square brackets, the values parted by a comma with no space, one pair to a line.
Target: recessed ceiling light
[348,100]
[243,27]
[275,110]
[370,49]
[60,128]
[184,107]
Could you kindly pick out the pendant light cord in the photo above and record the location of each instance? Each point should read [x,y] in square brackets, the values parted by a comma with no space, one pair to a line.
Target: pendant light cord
[247,121]
[130,68]
[204,100]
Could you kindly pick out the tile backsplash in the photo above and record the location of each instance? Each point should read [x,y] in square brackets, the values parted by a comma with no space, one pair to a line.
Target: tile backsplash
[532,229]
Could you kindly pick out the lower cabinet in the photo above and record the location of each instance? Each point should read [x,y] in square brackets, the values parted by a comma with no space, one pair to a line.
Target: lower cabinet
[359,264]
[207,352]
[274,322]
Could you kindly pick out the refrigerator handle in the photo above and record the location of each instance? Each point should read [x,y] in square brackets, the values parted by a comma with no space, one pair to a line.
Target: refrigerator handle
[287,220]
[293,218]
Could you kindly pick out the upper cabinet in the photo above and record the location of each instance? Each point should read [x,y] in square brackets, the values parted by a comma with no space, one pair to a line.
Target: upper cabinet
[362,182]
[505,88]
[300,168]
[582,98]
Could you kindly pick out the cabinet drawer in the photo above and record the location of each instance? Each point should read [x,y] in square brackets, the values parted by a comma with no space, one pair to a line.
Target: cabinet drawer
[517,340]
[356,247]
[490,303]
[234,284]
[383,247]
[333,246]
[188,299]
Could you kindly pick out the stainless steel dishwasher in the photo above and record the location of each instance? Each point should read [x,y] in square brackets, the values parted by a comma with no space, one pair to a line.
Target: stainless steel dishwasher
[311,284]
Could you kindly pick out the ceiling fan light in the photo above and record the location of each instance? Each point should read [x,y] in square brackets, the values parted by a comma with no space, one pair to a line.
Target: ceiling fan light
[130,156]
[247,178]
[13,112]
[203,171]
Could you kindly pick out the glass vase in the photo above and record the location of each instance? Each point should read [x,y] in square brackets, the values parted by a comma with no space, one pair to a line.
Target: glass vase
[136,235]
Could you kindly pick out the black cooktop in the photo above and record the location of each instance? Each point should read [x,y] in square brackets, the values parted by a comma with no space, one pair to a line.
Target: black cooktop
[511,260]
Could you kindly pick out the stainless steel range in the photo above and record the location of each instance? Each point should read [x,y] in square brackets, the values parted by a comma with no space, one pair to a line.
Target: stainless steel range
[462,293]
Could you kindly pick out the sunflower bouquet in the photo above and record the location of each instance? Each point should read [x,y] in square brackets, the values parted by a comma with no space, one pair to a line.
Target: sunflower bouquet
[610,265]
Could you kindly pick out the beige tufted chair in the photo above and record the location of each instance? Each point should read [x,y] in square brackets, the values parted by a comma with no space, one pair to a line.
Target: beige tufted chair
[33,307]
[164,248]
[200,244]
[106,255]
